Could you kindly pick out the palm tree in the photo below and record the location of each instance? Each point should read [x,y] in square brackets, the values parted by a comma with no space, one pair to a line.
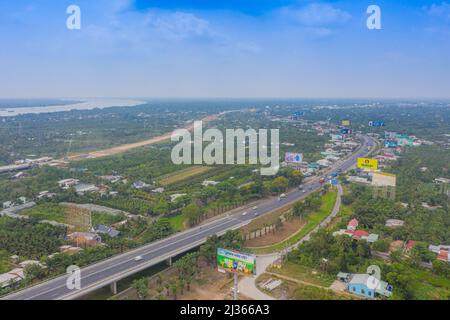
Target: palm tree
[174,289]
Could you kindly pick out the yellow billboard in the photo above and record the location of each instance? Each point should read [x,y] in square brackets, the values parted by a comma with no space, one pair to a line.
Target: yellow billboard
[365,163]
[346,123]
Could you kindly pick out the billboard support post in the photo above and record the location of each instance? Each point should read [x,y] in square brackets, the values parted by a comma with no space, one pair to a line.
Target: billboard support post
[235,296]
[236,263]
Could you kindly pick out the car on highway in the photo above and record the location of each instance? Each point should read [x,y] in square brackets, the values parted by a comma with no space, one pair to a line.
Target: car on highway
[138,258]
[244,213]
[255,208]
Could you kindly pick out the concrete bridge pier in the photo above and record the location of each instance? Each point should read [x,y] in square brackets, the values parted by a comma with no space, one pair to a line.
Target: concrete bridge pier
[113,287]
[169,262]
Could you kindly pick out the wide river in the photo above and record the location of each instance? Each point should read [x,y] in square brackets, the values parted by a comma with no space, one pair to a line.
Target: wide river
[87,104]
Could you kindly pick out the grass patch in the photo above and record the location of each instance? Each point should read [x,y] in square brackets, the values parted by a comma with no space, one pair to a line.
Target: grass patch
[5,265]
[47,211]
[58,213]
[106,219]
[265,220]
[183,175]
[313,220]
[344,212]
[177,222]
[294,290]
[304,273]
[304,292]
[428,286]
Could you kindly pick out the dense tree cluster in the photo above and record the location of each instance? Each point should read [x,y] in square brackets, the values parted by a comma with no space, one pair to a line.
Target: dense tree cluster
[29,239]
[332,254]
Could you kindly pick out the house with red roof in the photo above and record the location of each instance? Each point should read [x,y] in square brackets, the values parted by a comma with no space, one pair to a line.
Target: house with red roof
[359,234]
[353,224]
[410,245]
[443,256]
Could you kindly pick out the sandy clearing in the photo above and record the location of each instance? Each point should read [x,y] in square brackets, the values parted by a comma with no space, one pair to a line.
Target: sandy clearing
[130,146]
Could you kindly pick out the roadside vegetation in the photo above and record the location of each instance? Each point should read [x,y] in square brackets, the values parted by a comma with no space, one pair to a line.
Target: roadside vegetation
[313,210]
[414,273]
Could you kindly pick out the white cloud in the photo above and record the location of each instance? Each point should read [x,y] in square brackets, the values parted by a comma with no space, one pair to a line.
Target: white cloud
[315,14]
[177,25]
[439,10]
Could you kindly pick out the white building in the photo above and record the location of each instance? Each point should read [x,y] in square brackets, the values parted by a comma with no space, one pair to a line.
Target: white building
[27,263]
[7,204]
[323,163]
[45,194]
[394,223]
[68,183]
[209,183]
[11,277]
[85,188]
[355,179]
[175,196]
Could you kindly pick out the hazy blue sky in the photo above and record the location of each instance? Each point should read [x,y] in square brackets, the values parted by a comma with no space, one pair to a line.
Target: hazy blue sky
[218,48]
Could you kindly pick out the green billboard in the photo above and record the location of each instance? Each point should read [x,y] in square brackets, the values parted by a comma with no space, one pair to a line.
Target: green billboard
[236,262]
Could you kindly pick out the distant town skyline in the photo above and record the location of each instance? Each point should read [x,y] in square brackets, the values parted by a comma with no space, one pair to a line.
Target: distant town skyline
[225,49]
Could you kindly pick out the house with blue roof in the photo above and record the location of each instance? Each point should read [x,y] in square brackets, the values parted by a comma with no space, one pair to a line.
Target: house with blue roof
[100,228]
[363,285]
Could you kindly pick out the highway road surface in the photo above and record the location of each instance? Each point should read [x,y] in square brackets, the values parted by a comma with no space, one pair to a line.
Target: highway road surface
[121,266]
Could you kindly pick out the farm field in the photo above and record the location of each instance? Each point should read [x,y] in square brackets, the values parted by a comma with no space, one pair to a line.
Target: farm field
[303,273]
[183,175]
[70,215]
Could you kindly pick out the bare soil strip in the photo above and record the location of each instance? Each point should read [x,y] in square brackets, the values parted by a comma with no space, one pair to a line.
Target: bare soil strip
[130,146]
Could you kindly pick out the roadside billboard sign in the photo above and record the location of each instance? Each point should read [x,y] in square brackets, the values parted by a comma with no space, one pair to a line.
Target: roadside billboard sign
[290,157]
[337,137]
[236,262]
[390,135]
[376,124]
[366,163]
[346,131]
[390,144]
[297,115]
